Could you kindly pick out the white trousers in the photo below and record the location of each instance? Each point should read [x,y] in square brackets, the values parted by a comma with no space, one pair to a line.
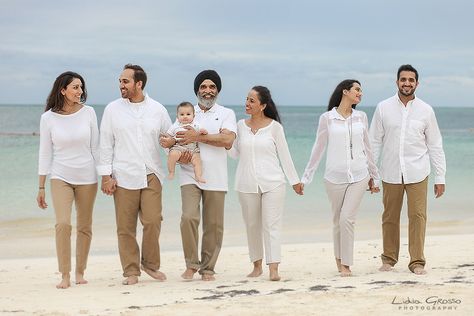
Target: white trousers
[345,201]
[262,214]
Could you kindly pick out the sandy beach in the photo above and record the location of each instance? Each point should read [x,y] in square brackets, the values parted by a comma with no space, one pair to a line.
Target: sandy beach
[310,285]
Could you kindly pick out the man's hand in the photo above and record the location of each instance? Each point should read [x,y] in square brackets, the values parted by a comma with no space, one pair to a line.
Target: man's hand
[185,157]
[166,141]
[188,136]
[372,188]
[439,190]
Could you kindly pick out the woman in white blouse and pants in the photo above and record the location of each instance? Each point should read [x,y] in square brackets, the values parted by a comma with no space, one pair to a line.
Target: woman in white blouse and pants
[69,137]
[350,165]
[260,181]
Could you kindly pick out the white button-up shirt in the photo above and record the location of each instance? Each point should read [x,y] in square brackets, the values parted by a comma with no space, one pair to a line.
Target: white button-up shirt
[260,156]
[129,141]
[213,159]
[343,164]
[408,137]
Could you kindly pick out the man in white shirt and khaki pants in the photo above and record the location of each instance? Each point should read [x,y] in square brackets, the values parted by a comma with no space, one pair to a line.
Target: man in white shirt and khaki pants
[131,170]
[213,118]
[405,129]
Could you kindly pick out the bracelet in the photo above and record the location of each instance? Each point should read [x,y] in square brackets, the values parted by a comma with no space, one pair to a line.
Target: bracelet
[41,188]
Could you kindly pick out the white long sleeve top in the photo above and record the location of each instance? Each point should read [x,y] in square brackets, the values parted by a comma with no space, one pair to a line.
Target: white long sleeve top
[213,158]
[264,158]
[129,141]
[335,133]
[68,146]
[409,138]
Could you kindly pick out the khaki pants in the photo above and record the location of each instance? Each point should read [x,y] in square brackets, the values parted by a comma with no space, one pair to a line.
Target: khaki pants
[129,206]
[392,201]
[262,214]
[345,201]
[63,195]
[213,227]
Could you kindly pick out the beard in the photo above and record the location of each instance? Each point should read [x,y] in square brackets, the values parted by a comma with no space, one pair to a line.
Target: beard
[207,103]
[408,93]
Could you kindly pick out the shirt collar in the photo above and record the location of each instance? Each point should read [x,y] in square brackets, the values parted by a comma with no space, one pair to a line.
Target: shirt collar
[334,114]
[409,102]
[214,109]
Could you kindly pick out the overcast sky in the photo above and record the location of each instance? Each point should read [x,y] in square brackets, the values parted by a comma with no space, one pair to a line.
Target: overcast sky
[299,49]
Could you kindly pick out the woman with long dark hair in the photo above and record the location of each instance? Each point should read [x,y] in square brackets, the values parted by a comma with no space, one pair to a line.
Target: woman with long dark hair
[69,139]
[260,181]
[350,165]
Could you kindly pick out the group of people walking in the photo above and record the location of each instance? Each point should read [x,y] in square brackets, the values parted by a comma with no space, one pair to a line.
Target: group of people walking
[125,154]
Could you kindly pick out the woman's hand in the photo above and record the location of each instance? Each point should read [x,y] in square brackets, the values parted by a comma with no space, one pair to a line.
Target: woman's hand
[41,200]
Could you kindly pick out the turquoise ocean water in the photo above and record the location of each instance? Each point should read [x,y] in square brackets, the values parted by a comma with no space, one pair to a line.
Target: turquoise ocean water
[304,216]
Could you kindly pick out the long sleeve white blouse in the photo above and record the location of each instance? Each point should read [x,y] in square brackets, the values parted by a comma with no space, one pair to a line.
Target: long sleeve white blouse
[69,144]
[260,156]
[342,166]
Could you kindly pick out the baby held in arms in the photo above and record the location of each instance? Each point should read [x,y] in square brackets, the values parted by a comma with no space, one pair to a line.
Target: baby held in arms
[185,117]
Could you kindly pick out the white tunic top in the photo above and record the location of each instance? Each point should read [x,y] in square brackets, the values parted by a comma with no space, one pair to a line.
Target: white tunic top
[129,141]
[409,139]
[68,146]
[343,165]
[260,156]
[213,159]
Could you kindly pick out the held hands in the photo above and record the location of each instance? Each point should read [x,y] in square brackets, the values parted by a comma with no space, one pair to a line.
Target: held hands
[41,200]
[298,188]
[109,185]
[372,188]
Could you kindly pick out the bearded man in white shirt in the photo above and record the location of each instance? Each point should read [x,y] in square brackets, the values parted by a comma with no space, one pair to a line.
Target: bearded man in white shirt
[221,127]
[405,129]
[131,171]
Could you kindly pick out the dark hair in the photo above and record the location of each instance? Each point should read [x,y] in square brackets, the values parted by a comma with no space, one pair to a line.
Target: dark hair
[336,96]
[185,104]
[265,97]
[55,100]
[407,67]
[138,74]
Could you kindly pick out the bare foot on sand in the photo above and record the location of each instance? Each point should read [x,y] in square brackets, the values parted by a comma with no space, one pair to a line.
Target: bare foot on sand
[338,263]
[207,277]
[80,278]
[420,270]
[188,274]
[155,274]
[345,271]
[257,269]
[274,276]
[131,280]
[65,282]
[385,267]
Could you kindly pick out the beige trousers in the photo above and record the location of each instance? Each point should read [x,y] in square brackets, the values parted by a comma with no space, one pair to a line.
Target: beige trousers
[129,206]
[345,201]
[212,227]
[63,195]
[262,214]
[393,201]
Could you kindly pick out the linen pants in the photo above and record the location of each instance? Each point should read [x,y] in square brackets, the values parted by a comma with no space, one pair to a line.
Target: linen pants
[262,214]
[345,201]
[212,227]
[63,195]
[392,201]
[129,206]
